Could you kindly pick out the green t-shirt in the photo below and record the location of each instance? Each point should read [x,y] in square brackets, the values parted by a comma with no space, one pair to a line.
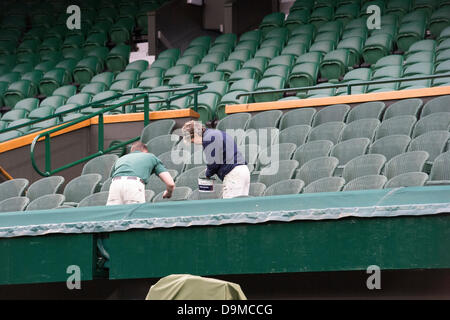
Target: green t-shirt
[138,164]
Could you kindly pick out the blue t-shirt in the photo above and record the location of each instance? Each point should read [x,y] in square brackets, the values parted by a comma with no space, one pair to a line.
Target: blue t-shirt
[221,152]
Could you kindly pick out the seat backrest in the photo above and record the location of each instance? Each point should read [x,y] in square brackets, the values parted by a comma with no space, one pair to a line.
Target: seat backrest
[156,184]
[291,186]
[368,182]
[179,194]
[277,171]
[408,179]
[312,150]
[157,128]
[256,189]
[327,131]
[13,188]
[95,199]
[390,146]
[439,104]
[301,116]
[336,112]
[80,187]
[349,149]
[404,107]
[296,134]
[190,177]
[14,204]
[102,165]
[43,186]
[433,142]
[234,121]
[265,119]
[397,125]
[441,167]
[368,164]
[434,121]
[363,128]
[326,184]
[366,110]
[277,152]
[316,169]
[161,144]
[412,161]
[46,202]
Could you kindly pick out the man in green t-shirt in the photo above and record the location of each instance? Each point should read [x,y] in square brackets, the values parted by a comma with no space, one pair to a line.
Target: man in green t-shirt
[131,173]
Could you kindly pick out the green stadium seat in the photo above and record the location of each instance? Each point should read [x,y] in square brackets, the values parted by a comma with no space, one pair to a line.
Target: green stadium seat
[86,69]
[433,142]
[316,169]
[122,86]
[161,144]
[10,135]
[122,30]
[150,83]
[23,129]
[14,114]
[156,185]
[268,52]
[320,90]
[362,128]
[286,169]
[265,119]
[52,102]
[440,170]
[421,46]
[234,121]
[34,77]
[256,189]
[94,88]
[354,45]
[355,75]
[347,150]
[179,194]
[210,77]
[434,121]
[439,104]
[403,107]
[102,165]
[269,83]
[347,12]
[229,99]
[202,41]
[303,75]
[376,47]
[216,194]
[301,116]
[397,125]
[52,80]
[282,151]
[270,22]
[327,131]
[28,104]
[17,91]
[291,186]
[335,64]
[398,7]
[80,187]
[118,57]
[331,113]
[366,110]
[395,60]
[408,179]
[368,182]
[46,202]
[13,188]
[189,178]
[320,16]
[96,199]
[296,18]
[44,186]
[412,161]
[409,33]
[175,71]
[326,184]
[368,164]
[253,35]
[323,47]
[14,204]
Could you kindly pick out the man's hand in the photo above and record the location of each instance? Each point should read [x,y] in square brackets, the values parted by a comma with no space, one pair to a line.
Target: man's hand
[167,195]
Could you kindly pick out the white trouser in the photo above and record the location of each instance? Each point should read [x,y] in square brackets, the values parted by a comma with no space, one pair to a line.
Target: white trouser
[126,191]
[237,182]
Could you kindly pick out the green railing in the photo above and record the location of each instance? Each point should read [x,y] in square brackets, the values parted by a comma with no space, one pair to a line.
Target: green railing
[347,85]
[142,97]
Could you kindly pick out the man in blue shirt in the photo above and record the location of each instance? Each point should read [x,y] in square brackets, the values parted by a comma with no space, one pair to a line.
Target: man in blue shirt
[131,173]
[222,157]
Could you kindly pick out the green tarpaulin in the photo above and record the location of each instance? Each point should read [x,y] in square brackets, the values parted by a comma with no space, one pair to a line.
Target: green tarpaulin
[336,205]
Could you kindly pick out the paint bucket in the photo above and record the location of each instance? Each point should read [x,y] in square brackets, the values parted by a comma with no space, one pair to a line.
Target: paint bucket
[205,185]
